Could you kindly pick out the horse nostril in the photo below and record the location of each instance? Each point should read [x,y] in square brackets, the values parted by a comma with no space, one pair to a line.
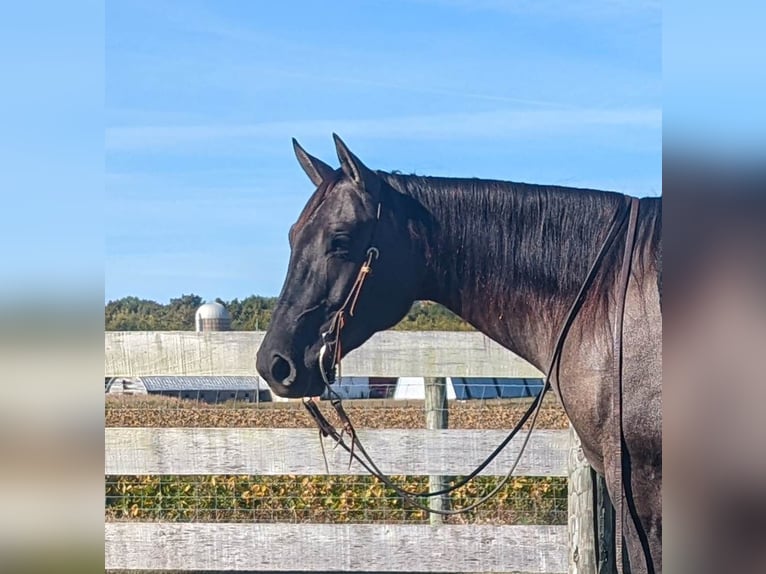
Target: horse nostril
[282,370]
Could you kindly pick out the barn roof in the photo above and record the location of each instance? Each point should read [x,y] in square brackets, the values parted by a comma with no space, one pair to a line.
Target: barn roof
[202,383]
[495,388]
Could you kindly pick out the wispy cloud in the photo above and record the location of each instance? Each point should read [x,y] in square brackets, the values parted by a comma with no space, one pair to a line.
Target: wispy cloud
[503,124]
[415,88]
[582,8]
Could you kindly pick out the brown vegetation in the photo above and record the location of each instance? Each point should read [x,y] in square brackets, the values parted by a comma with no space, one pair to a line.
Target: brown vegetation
[157,411]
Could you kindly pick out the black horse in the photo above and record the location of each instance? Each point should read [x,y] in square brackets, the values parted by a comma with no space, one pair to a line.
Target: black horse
[509,258]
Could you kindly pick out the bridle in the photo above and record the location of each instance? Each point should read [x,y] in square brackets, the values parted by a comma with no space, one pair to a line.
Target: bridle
[349,305]
[627,212]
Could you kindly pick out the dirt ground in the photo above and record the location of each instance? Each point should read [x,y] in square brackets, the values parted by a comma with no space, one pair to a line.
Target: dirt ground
[156,411]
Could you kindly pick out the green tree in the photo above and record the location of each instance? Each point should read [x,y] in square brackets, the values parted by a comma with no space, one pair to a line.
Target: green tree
[179,314]
[252,313]
[133,314]
[249,314]
[430,316]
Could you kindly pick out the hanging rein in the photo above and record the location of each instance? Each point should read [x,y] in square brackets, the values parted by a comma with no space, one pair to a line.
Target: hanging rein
[356,450]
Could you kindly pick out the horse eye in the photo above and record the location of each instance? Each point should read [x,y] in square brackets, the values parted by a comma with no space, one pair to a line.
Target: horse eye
[340,244]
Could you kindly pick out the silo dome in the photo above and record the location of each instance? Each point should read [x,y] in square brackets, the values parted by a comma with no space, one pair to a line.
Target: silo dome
[212,317]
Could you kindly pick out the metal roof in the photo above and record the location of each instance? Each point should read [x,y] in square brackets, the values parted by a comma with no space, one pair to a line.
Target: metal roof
[203,383]
[466,388]
[212,310]
[495,388]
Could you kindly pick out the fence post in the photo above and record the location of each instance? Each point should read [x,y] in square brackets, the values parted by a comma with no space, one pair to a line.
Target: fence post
[582,545]
[436,418]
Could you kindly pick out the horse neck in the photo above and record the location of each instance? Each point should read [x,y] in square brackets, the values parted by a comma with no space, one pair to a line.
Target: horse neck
[509,258]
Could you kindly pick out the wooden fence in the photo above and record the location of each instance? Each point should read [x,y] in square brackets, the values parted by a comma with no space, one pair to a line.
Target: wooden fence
[339,547]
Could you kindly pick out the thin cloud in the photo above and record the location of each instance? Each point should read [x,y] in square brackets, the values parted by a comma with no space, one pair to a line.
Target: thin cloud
[418,89]
[502,124]
[583,8]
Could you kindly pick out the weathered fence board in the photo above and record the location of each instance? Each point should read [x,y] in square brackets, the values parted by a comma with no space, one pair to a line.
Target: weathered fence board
[386,354]
[335,547]
[296,451]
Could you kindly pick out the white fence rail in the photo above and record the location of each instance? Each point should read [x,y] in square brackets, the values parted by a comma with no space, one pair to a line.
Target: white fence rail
[336,547]
[339,547]
[386,354]
[294,451]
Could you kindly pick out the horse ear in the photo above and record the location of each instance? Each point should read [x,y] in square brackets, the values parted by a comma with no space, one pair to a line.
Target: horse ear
[354,169]
[317,170]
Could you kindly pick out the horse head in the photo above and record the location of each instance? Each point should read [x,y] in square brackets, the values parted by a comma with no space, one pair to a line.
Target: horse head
[353,271]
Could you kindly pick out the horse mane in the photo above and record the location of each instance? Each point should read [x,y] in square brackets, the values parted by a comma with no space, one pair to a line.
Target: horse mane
[546,236]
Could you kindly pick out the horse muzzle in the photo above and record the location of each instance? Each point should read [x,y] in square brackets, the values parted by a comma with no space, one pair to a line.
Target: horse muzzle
[288,380]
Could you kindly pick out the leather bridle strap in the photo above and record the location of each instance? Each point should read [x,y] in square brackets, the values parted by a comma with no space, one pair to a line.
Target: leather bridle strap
[618,460]
[339,320]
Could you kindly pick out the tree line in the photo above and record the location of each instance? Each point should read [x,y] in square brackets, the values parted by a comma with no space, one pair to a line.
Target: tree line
[249,314]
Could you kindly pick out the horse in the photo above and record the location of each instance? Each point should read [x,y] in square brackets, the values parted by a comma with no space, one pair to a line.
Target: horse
[509,258]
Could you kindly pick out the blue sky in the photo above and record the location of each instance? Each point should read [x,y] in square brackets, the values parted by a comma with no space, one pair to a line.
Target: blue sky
[202,99]
[51,145]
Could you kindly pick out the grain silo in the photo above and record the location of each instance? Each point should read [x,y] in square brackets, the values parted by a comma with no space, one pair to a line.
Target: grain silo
[212,317]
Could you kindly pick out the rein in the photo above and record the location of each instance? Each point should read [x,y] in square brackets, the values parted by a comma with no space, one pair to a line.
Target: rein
[630,210]
[618,460]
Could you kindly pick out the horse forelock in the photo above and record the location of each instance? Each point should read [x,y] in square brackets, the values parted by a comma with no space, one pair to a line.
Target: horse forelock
[313,204]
